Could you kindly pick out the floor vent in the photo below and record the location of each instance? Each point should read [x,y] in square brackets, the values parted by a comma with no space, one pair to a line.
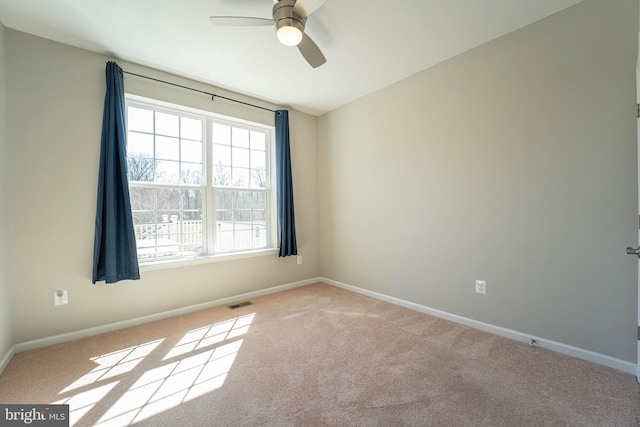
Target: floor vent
[240,304]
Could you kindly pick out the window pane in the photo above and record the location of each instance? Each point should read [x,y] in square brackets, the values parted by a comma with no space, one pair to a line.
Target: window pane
[259,217]
[146,247]
[191,151]
[225,220]
[192,216]
[258,159]
[224,216]
[242,239]
[167,172]
[221,176]
[240,137]
[140,169]
[247,219]
[174,229]
[259,200]
[258,178]
[259,236]
[191,173]
[139,119]
[142,198]
[167,217]
[240,157]
[240,177]
[191,128]
[258,140]
[167,247]
[192,244]
[169,199]
[242,200]
[224,241]
[192,200]
[221,134]
[242,217]
[221,155]
[167,148]
[146,221]
[224,200]
[139,144]
[167,124]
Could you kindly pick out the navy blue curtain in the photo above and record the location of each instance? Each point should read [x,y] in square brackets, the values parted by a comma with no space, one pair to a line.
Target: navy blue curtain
[284,184]
[114,251]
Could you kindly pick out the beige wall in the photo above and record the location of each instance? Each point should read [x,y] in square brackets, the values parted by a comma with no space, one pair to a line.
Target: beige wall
[55,97]
[6,332]
[514,163]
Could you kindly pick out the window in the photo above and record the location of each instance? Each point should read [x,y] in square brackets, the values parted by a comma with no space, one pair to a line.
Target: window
[199,184]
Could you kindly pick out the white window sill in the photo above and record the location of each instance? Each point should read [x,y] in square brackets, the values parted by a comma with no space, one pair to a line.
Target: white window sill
[204,259]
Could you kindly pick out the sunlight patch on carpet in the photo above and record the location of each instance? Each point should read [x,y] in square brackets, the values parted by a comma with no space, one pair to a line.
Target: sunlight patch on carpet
[211,335]
[81,403]
[197,364]
[168,386]
[114,364]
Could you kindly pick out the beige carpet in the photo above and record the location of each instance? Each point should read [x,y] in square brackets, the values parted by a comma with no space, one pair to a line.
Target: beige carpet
[315,356]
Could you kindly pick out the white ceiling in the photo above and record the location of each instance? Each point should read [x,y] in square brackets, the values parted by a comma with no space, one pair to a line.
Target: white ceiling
[368,44]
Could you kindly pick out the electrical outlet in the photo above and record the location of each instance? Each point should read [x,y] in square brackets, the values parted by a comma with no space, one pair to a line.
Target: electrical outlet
[299,259]
[481,286]
[60,297]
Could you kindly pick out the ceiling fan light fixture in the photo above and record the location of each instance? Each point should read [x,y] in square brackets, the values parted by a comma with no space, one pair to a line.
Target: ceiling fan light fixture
[289,24]
[289,35]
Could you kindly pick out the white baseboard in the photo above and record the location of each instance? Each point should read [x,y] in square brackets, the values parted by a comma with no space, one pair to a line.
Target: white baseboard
[601,359]
[84,333]
[7,358]
[569,350]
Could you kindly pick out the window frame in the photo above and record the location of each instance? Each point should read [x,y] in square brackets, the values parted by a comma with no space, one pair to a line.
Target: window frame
[209,253]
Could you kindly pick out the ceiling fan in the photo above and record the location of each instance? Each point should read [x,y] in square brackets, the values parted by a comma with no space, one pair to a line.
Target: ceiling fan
[289,17]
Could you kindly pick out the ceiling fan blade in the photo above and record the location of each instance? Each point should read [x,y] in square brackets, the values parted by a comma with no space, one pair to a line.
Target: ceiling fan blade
[311,52]
[240,21]
[307,7]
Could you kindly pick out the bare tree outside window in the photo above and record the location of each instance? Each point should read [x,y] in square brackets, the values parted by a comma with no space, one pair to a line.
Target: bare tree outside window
[140,169]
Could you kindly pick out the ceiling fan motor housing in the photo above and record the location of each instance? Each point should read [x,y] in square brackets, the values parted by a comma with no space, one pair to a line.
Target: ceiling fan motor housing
[285,16]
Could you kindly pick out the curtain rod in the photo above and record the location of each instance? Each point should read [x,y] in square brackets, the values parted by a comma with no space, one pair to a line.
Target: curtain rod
[213,95]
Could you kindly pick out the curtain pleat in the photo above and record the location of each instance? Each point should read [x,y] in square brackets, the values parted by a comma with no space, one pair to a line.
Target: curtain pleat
[114,253]
[284,184]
